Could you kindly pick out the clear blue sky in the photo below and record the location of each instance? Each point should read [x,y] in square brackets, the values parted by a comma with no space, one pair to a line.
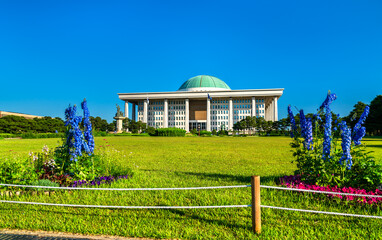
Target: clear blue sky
[53,53]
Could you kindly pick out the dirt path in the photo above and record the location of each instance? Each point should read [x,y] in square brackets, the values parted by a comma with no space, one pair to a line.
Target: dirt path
[40,235]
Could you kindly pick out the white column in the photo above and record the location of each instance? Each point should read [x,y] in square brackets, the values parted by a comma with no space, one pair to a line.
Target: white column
[187,101]
[253,111]
[275,109]
[133,112]
[266,112]
[270,117]
[145,111]
[165,114]
[271,110]
[230,116]
[126,109]
[208,124]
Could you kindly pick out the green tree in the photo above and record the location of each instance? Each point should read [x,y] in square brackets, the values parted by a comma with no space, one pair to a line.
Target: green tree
[374,120]
[260,122]
[250,123]
[99,124]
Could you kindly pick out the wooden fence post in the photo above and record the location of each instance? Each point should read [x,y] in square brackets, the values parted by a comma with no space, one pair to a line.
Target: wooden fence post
[256,211]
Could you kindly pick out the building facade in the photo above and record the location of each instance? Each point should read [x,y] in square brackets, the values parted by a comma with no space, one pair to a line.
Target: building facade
[202,101]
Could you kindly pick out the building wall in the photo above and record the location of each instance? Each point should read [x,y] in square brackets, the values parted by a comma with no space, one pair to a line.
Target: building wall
[198,110]
[3,114]
[177,113]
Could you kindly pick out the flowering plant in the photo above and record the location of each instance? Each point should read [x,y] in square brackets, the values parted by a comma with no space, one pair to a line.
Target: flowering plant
[294,181]
[329,152]
[75,157]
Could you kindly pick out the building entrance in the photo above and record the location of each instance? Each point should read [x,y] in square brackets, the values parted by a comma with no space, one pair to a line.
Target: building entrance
[195,124]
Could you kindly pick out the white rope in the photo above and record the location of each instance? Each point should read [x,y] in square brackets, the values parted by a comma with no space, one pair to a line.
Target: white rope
[124,189]
[125,207]
[330,213]
[325,192]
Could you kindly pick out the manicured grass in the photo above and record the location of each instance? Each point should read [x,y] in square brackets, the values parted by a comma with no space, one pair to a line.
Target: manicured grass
[192,161]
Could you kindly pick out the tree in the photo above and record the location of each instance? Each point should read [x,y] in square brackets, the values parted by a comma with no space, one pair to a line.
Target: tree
[250,123]
[260,122]
[374,120]
[134,126]
[99,124]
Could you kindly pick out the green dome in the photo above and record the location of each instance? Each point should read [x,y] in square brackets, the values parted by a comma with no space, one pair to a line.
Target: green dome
[204,83]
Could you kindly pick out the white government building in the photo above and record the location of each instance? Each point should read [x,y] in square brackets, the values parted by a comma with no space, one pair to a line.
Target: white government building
[203,101]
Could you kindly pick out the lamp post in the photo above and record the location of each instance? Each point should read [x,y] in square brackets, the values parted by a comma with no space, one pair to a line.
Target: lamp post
[199,128]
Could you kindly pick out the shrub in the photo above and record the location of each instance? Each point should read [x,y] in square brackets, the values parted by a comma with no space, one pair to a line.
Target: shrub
[17,171]
[194,131]
[170,132]
[205,133]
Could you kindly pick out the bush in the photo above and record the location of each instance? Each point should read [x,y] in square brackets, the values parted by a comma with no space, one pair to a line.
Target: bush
[100,134]
[205,133]
[151,131]
[170,132]
[17,171]
[223,133]
[7,135]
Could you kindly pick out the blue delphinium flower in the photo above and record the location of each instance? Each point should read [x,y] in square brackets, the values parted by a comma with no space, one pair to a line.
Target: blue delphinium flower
[74,136]
[70,113]
[70,119]
[346,144]
[308,134]
[329,99]
[359,135]
[306,130]
[292,121]
[89,144]
[302,123]
[328,124]
[78,138]
[358,131]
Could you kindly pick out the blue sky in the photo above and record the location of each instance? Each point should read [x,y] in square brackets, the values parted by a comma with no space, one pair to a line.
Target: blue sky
[53,53]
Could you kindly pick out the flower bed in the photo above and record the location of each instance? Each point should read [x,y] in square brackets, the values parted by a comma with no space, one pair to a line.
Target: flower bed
[294,181]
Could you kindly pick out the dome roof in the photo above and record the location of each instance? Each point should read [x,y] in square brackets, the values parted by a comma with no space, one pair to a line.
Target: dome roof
[204,83]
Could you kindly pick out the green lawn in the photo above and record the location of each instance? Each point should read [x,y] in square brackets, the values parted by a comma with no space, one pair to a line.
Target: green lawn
[184,162]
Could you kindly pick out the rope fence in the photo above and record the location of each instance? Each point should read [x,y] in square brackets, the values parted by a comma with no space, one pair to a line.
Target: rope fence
[255,192]
[125,189]
[323,192]
[322,212]
[123,207]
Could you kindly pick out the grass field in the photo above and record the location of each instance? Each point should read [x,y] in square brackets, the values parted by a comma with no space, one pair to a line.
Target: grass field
[192,161]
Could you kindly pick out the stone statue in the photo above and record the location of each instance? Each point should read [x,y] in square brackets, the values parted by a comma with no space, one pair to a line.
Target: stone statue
[119,113]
